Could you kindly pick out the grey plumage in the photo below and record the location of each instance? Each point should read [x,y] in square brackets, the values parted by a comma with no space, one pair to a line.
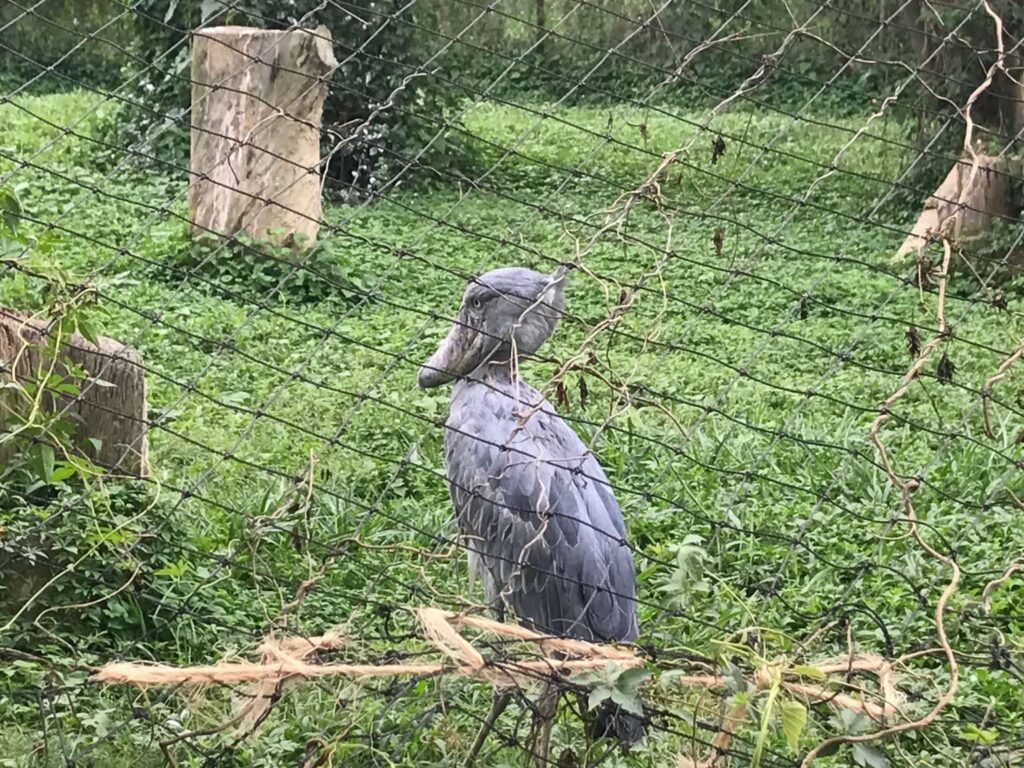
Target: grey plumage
[543,530]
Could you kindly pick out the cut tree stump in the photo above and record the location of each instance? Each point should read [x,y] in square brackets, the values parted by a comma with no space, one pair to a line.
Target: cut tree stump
[111,406]
[257,101]
[988,197]
[1010,89]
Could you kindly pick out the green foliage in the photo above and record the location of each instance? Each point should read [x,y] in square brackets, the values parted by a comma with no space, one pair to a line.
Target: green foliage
[406,68]
[71,555]
[42,444]
[250,271]
[85,559]
[10,216]
[998,248]
[619,685]
[793,719]
[688,580]
[47,44]
[726,471]
[869,756]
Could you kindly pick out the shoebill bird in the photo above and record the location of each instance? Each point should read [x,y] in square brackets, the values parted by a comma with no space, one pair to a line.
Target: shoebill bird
[534,507]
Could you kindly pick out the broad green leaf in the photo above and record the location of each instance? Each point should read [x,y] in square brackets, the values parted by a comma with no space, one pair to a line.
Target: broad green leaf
[854,721]
[741,699]
[83,466]
[62,472]
[10,209]
[973,733]
[630,679]
[869,756]
[88,330]
[44,454]
[174,570]
[608,675]
[793,715]
[599,694]
[805,670]
[630,703]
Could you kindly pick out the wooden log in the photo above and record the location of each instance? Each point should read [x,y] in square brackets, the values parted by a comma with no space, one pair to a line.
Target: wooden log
[110,406]
[989,196]
[257,101]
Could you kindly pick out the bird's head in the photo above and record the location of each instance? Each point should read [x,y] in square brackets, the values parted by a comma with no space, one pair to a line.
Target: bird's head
[500,309]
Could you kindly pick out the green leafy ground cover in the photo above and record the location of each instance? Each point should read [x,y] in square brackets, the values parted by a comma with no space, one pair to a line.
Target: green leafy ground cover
[730,404]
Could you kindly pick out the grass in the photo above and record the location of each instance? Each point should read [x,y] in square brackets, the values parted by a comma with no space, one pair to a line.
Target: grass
[731,406]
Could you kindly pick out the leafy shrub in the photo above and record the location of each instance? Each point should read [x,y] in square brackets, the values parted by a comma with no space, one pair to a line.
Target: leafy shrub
[254,272]
[380,61]
[68,544]
[86,554]
[997,250]
[54,33]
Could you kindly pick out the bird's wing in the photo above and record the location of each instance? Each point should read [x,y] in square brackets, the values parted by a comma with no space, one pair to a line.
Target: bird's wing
[546,530]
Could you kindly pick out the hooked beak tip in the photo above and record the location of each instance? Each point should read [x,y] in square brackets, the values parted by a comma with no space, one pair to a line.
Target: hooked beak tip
[426,378]
[449,359]
[432,375]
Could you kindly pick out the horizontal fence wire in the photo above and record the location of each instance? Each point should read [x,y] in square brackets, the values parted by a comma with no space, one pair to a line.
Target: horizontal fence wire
[800,396]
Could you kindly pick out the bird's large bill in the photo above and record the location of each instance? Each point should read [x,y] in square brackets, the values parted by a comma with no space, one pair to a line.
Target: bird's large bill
[461,352]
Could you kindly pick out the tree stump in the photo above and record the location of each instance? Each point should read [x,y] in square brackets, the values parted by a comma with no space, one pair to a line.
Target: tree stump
[109,407]
[989,196]
[1009,91]
[257,101]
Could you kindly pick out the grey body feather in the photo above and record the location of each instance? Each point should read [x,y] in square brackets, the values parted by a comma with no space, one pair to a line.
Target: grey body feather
[543,530]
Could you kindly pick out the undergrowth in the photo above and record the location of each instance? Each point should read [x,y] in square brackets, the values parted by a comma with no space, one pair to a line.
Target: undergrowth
[287,431]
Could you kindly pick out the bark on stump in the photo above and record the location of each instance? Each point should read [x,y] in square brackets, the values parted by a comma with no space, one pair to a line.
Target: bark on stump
[989,196]
[257,101]
[1011,105]
[112,412]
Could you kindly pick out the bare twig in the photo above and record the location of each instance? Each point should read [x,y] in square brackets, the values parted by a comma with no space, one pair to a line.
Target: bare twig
[1001,373]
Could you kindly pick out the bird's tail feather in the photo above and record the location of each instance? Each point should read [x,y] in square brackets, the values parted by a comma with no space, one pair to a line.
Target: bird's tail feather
[613,722]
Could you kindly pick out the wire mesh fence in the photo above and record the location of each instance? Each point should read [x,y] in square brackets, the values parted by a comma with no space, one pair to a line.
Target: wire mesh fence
[788,240]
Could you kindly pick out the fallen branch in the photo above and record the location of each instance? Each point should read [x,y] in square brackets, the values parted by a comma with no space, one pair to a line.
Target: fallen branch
[286,659]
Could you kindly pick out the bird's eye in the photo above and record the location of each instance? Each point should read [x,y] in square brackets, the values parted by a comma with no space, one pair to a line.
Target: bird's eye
[476,303]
